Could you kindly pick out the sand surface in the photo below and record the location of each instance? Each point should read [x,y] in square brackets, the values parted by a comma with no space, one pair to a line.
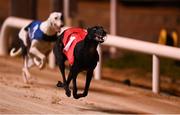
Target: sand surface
[43,97]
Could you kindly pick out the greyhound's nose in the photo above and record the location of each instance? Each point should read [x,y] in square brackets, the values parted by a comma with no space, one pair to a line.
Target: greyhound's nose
[62,25]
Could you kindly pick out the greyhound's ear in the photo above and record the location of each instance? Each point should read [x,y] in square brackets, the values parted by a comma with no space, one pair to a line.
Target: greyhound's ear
[92,28]
[88,29]
[49,20]
[51,16]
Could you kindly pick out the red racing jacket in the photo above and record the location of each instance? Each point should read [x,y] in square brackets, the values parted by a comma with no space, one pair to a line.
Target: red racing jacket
[72,36]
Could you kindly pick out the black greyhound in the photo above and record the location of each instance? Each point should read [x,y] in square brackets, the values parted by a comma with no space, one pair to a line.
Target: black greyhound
[85,59]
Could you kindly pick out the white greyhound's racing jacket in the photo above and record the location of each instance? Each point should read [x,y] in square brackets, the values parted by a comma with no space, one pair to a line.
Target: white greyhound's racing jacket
[34,32]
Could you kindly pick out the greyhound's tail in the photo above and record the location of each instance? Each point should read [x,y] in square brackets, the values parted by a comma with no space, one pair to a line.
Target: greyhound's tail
[21,51]
[14,53]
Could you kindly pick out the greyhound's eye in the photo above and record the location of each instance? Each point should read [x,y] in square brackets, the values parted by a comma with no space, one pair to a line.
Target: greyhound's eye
[94,29]
[56,18]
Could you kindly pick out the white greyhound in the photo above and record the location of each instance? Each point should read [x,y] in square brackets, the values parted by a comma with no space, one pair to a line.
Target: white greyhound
[36,42]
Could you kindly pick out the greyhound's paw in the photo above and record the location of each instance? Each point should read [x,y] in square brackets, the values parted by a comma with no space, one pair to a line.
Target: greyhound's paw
[32,80]
[68,92]
[77,96]
[42,63]
[60,84]
[36,61]
[25,75]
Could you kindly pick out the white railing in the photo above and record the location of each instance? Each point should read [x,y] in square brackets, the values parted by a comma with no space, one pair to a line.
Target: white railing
[153,49]
[6,31]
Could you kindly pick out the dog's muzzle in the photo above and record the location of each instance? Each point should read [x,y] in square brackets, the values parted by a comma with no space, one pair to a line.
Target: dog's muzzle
[57,27]
[100,38]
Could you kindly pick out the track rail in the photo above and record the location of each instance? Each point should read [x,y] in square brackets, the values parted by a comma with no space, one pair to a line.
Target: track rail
[156,50]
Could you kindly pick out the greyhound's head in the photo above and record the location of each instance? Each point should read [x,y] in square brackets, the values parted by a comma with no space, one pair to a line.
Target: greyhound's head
[97,33]
[56,21]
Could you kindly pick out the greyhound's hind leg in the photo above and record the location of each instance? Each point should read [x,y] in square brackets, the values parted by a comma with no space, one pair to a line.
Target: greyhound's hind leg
[88,81]
[28,62]
[62,69]
[60,60]
[65,83]
[25,75]
[25,71]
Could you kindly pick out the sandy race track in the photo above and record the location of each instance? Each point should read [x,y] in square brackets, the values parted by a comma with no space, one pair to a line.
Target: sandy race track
[104,96]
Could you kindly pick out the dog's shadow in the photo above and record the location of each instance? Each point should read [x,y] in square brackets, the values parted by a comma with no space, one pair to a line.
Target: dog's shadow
[91,106]
[109,110]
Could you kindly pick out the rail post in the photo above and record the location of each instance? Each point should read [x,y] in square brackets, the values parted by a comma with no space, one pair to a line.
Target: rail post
[97,71]
[113,16]
[155,74]
[52,62]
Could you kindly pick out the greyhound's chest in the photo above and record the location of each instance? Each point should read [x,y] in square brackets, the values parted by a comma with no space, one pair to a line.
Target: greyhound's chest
[87,62]
[85,58]
[72,37]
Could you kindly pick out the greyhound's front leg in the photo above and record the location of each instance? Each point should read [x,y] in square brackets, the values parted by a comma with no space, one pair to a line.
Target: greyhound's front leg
[75,95]
[88,81]
[33,50]
[75,90]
